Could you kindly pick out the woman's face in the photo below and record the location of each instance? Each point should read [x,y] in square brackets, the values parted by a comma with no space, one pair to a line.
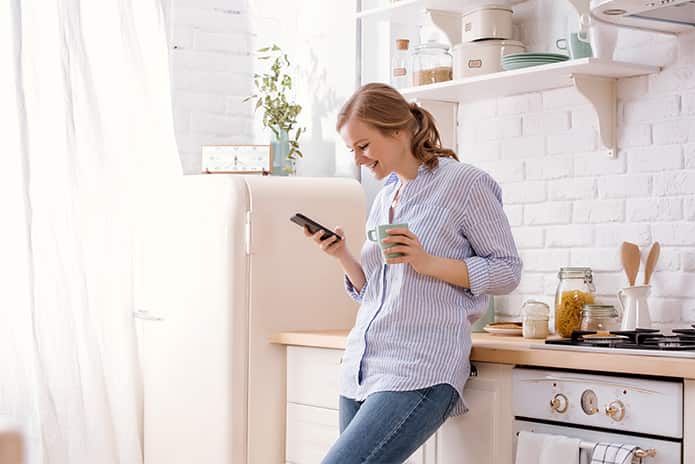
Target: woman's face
[382,154]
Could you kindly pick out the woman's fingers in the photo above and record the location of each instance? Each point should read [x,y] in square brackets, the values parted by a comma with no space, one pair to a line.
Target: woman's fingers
[317,236]
[401,231]
[400,239]
[325,244]
[397,249]
[399,260]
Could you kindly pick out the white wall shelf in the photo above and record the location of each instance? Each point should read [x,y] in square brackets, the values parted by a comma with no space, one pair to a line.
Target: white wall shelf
[595,79]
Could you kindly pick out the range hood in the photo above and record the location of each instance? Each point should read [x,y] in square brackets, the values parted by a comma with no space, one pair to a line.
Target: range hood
[674,16]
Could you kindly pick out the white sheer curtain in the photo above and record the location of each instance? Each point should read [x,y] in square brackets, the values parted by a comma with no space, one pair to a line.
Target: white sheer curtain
[87,146]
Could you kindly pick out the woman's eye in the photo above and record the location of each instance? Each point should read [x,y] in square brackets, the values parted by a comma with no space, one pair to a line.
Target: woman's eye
[364,147]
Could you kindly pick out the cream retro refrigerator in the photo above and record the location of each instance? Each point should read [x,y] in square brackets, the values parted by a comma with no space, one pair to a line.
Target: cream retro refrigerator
[222,268]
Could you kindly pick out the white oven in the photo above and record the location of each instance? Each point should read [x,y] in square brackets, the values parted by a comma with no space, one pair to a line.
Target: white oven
[595,408]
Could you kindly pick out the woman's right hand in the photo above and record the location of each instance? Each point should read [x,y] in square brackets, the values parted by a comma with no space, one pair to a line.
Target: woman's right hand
[331,246]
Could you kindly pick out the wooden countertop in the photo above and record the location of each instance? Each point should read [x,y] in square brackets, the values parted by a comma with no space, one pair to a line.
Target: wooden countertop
[519,351]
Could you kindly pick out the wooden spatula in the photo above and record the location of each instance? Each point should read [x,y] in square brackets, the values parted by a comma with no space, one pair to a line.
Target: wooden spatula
[630,256]
[652,258]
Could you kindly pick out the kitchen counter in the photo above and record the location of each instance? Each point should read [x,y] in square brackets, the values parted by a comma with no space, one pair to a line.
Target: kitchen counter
[519,351]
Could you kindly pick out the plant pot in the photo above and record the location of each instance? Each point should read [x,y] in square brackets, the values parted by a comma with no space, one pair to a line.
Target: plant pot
[282,166]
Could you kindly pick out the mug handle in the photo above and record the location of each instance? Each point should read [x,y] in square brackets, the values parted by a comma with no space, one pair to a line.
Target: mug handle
[370,235]
[621,296]
[561,41]
[584,24]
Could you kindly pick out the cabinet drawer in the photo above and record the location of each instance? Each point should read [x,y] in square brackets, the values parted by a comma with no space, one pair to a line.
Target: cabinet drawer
[311,432]
[313,376]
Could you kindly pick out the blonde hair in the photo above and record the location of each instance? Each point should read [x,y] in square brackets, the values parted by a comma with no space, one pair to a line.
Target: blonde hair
[385,109]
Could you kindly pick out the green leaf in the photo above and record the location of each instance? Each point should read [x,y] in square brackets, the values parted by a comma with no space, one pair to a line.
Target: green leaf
[263,57]
[264,49]
[258,104]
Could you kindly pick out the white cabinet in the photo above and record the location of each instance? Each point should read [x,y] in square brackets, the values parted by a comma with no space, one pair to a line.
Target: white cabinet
[689,421]
[483,436]
[312,406]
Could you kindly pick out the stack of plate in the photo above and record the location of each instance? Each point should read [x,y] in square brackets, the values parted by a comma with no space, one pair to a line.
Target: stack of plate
[524,60]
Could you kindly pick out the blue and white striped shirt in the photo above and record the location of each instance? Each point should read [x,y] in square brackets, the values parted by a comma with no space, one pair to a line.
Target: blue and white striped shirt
[413,331]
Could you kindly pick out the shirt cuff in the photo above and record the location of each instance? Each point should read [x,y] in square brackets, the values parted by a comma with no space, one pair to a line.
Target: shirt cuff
[357,296]
[478,275]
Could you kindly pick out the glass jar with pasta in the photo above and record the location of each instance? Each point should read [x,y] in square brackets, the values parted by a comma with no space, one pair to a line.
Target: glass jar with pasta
[574,290]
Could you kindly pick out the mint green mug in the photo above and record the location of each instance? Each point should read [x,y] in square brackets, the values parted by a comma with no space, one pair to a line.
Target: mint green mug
[379,233]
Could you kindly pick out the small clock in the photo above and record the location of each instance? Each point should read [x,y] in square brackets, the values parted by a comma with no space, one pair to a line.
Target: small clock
[237,159]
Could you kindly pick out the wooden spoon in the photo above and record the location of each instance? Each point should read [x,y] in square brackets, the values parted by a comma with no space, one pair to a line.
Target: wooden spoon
[630,257]
[652,258]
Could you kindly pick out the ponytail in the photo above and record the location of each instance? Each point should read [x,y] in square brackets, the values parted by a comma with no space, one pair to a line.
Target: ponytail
[426,144]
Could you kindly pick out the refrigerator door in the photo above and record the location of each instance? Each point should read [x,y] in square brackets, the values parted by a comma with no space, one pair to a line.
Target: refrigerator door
[195,274]
[293,286]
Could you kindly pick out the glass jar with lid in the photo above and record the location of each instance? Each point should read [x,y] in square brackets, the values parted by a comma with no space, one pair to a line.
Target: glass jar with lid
[431,63]
[574,290]
[535,316]
[600,318]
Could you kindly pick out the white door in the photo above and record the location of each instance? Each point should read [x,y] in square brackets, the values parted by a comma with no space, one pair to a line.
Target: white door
[482,436]
[193,364]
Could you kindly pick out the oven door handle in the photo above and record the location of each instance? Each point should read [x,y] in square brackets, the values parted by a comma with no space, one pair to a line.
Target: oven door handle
[642,453]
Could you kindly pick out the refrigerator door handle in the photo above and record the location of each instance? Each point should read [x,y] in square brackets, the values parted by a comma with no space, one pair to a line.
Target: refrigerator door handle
[146,316]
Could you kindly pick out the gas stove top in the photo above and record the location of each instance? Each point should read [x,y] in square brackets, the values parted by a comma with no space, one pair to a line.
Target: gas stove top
[649,342]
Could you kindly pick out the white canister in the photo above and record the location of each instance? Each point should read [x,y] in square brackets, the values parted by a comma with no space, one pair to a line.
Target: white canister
[477,58]
[487,22]
[535,316]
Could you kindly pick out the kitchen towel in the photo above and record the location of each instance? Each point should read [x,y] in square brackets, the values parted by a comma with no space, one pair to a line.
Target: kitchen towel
[541,448]
[557,448]
[529,447]
[613,453]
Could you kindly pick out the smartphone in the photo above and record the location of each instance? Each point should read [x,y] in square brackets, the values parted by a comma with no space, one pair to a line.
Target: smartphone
[313,226]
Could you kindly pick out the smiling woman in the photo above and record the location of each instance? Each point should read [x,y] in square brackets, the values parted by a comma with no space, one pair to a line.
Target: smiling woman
[407,357]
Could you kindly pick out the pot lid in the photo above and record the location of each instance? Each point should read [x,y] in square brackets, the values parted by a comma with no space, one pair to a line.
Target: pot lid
[430,45]
[487,8]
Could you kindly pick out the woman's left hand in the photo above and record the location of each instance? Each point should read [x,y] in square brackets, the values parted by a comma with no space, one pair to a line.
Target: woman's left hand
[408,244]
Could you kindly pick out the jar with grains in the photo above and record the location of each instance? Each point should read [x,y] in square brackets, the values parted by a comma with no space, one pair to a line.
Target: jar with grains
[574,289]
[432,63]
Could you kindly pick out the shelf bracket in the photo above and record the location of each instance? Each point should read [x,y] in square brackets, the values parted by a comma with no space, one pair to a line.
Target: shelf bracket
[601,92]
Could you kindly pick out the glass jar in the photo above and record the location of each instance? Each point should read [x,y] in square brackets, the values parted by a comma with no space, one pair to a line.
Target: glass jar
[432,63]
[400,74]
[600,318]
[535,316]
[574,289]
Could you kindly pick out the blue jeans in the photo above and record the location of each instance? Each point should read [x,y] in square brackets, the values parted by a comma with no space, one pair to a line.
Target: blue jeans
[388,427]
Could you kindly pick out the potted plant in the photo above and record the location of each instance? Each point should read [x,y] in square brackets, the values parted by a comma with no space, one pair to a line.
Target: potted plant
[279,111]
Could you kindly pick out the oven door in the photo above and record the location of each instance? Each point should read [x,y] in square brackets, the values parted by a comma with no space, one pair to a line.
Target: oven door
[667,452]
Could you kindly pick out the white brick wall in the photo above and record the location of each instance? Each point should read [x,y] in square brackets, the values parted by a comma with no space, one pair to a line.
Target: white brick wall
[569,204]
[211,44]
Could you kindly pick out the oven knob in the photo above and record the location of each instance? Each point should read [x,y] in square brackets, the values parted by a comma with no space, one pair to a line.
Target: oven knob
[559,403]
[616,410]
[589,402]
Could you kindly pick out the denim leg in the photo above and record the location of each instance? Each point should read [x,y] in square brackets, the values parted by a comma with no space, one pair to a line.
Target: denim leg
[348,409]
[389,426]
